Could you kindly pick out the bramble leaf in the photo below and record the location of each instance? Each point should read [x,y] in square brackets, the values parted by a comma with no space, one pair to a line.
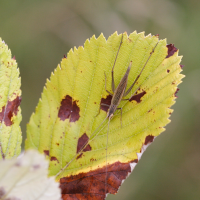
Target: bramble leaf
[66,125]
[10,99]
[26,178]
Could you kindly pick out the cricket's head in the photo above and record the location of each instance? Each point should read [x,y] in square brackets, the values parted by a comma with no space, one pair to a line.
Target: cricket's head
[111,112]
[110,117]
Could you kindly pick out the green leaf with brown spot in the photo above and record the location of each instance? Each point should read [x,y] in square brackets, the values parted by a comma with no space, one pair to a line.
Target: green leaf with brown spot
[66,126]
[10,99]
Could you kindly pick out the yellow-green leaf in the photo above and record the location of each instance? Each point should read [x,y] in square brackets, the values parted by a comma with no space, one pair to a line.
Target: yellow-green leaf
[67,114]
[10,98]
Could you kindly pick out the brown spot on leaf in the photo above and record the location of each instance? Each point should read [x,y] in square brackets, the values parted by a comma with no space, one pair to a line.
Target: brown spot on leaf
[106,101]
[54,158]
[137,97]
[91,185]
[46,152]
[176,92]
[148,139]
[157,35]
[65,56]
[7,111]
[93,159]
[82,141]
[171,50]
[69,109]
[168,71]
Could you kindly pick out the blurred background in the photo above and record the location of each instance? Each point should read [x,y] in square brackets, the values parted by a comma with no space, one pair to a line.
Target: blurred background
[40,32]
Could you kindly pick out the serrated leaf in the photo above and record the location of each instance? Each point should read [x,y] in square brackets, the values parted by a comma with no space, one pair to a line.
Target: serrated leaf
[10,99]
[66,117]
[26,178]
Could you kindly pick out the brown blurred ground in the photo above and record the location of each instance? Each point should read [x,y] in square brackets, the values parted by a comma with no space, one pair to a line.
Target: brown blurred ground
[39,33]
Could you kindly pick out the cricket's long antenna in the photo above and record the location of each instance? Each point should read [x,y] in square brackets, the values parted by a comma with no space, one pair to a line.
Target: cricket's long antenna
[97,129]
[107,158]
[80,151]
